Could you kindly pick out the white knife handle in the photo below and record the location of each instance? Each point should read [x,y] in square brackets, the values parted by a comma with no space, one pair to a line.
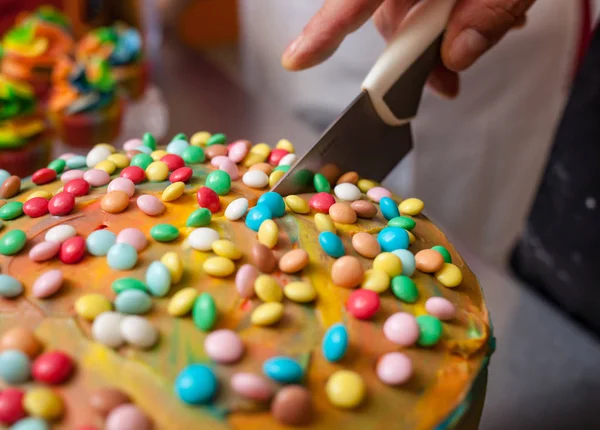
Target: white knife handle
[417,32]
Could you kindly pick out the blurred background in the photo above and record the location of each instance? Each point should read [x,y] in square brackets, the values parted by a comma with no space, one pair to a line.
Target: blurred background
[171,66]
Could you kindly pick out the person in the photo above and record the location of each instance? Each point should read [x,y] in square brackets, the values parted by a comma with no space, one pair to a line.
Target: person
[477,157]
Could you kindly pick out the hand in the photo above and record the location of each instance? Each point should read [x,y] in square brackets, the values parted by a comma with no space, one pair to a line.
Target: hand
[474,27]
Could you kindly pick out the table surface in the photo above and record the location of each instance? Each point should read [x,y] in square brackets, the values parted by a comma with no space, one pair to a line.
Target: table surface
[544,373]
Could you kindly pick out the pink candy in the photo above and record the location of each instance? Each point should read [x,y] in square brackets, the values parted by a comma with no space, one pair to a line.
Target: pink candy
[252,386]
[238,151]
[440,308]
[47,284]
[131,144]
[127,416]
[402,329]
[224,163]
[133,237]
[244,280]
[224,346]
[96,177]
[122,184]
[394,368]
[44,251]
[376,193]
[216,161]
[69,175]
[150,205]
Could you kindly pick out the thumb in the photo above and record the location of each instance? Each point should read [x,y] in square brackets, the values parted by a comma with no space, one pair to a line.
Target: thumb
[475,26]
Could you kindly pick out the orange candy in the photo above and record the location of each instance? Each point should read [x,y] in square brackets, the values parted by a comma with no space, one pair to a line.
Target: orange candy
[347,272]
[115,202]
[342,213]
[429,261]
[21,339]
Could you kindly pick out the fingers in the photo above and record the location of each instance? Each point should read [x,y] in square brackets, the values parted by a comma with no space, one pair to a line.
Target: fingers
[326,30]
[476,25]
[444,82]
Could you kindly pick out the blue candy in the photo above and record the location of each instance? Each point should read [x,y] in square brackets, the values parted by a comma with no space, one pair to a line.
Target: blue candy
[256,216]
[388,207]
[15,367]
[121,256]
[283,369]
[133,302]
[331,244]
[144,149]
[274,202]
[196,384]
[10,287]
[4,175]
[76,162]
[177,147]
[100,241]
[408,261]
[393,238]
[30,424]
[335,343]
[158,279]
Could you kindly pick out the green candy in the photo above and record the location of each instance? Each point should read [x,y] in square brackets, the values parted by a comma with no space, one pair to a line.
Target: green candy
[321,183]
[199,218]
[12,242]
[204,312]
[11,210]
[141,160]
[282,168]
[430,330]
[193,155]
[403,222]
[57,165]
[149,141]
[179,136]
[164,232]
[445,254]
[219,181]
[405,289]
[216,139]
[123,284]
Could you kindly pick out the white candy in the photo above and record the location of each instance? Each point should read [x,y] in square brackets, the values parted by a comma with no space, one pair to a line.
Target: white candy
[122,184]
[138,331]
[60,233]
[288,160]
[96,155]
[255,179]
[347,192]
[202,238]
[236,209]
[106,329]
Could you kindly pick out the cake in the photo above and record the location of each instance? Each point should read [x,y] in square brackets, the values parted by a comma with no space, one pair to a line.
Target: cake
[169,289]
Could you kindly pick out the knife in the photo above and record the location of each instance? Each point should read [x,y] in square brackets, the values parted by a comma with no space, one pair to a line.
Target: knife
[373,133]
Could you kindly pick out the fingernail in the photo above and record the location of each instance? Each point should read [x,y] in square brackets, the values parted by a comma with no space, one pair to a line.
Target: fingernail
[292,48]
[466,48]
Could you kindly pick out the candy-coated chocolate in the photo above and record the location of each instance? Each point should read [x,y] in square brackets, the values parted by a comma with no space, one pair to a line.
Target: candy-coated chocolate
[173,262]
[331,244]
[12,242]
[363,304]
[388,208]
[321,202]
[72,250]
[158,279]
[138,332]
[215,151]
[392,238]
[21,339]
[376,193]
[121,161]
[133,302]
[11,406]
[267,289]
[196,384]
[411,206]
[238,150]
[347,192]
[292,406]
[52,367]
[173,161]
[347,272]
[288,160]
[121,256]
[96,177]
[36,207]
[267,314]
[127,416]
[256,216]
[183,174]
[199,218]
[164,232]
[193,155]
[209,199]
[44,251]
[394,368]
[408,261]
[39,193]
[226,248]
[244,280]
[10,187]
[274,202]
[157,171]
[275,177]
[132,236]
[135,174]
[430,330]
[15,367]
[89,306]
[300,292]
[78,187]
[47,284]
[268,233]
[30,423]
[449,275]
[202,238]
[404,222]
[440,308]
[345,389]
[323,222]
[96,155]
[236,209]
[335,343]
[61,204]
[389,263]
[43,176]
[321,183]
[106,329]
[200,138]
[173,192]
[255,179]
[76,162]
[58,165]
[122,184]
[405,289]
[219,181]
[251,386]
[342,213]
[297,204]
[348,178]
[106,165]
[445,254]
[104,400]
[402,329]
[43,403]
[224,346]
[60,233]
[429,260]
[376,280]
[150,205]
[114,202]
[219,267]
[284,370]
[98,242]
[263,258]
[276,155]
[293,261]
[365,244]
[204,312]
[263,167]
[10,287]
[182,302]
[11,210]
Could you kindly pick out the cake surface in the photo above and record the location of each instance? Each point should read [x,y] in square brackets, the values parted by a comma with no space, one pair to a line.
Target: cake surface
[436,393]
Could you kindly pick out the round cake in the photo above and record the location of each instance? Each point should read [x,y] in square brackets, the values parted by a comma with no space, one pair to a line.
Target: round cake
[170,289]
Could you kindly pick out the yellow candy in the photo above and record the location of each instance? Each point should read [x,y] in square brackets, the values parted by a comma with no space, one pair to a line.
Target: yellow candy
[158,154]
[285,144]
[268,233]
[41,193]
[106,165]
[60,190]
[43,403]
[182,302]
[108,146]
[267,314]
[275,177]
[411,237]
[219,267]
[174,264]
[300,292]
[120,160]
[157,171]
[173,192]
[376,280]
[411,207]
[324,223]
[257,154]
[297,204]
[89,306]
[365,185]
[389,263]
[449,275]
[226,248]
[345,389]
[200,138]
[267,289]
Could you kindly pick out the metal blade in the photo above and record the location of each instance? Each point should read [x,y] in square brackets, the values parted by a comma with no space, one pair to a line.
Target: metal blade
[357,141]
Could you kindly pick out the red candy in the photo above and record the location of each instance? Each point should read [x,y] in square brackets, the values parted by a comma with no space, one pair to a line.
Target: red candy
[72,250]
[207,198]
[43,176]
[11,406]
[78,187]
[53,367]
[183,174]
[134,173]
[61,204]
[276,156]
[35,207]
[363,304]
[173,161]
[321,202]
